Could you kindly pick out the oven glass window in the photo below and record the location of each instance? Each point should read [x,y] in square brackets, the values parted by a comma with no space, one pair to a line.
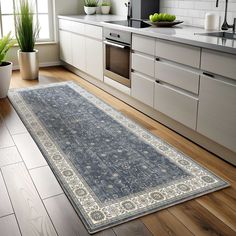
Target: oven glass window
[118,60]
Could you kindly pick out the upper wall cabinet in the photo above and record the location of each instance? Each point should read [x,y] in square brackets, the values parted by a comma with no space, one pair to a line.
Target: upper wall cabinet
[219,63]
[177,52]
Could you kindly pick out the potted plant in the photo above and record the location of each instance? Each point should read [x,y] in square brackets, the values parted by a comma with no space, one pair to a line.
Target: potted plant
[90,6]
[5,67]
[105,7]
[26,34]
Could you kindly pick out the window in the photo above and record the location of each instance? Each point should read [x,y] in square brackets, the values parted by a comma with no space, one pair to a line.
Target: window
[43,15]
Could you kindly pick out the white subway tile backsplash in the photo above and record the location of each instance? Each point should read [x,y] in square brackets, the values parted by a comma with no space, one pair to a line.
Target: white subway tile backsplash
[193,12]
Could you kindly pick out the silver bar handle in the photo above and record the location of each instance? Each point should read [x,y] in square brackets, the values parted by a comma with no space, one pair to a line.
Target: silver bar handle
[115,44]
[234,26]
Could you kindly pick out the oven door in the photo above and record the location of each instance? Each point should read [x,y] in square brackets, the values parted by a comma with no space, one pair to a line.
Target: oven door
[117,62]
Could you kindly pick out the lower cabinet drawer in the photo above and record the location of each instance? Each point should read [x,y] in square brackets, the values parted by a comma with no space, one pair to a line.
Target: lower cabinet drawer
[72,26]
[177,76]
[142,88]
[93,31]
[143,64]
[177,105]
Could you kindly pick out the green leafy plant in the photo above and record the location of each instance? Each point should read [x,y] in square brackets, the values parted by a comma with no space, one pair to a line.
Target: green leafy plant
[5,44]
[90,3]
[105,4]
[26,30]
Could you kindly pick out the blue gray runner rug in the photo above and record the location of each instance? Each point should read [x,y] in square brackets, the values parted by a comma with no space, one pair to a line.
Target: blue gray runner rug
[111,169]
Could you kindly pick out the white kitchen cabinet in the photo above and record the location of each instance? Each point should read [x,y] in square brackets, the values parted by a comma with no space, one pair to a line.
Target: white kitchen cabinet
[143,44]
[142,88]
[93,31]
[178,52]
[219,63]
[143,63]
[72,26]
[217,110]
[94,58]
[177,75]
[176,104]
[65,46]
[81,46]
[78,52]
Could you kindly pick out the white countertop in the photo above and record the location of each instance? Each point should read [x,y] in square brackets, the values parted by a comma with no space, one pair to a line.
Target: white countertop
[181,33]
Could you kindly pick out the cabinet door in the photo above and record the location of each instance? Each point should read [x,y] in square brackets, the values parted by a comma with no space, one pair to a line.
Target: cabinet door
[178,76]
[94,58]
[142,89]
[65,47]
[78,52]
[143,44]
[178,52]
[143,64]
[217,111]
[176,104]
[219,63]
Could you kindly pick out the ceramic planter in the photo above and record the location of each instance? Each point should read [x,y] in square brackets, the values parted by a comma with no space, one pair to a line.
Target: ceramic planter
[105,10]
[29,64]
[5,78]
[90,10]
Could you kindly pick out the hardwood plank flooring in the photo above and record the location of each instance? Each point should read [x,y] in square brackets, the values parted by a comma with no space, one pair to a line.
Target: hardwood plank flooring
[5,137]
[132,228]
[5,204]
[199,220]
[9,226]
[38,208]
[64,217]
[9,156]
[45,182]
[12,120]
[30,212]
[164,223]
[29,151]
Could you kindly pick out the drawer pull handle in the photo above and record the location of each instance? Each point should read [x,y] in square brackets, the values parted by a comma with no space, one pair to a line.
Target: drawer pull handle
[208,74]
[157,59]
[157,81]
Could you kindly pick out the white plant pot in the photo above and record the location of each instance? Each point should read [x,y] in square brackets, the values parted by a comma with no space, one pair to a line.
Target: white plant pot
[29,64]
[98,10]
[90,10]
[105,10]
[5,78]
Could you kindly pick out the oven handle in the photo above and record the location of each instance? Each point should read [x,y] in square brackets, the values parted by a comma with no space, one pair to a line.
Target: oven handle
[115,44]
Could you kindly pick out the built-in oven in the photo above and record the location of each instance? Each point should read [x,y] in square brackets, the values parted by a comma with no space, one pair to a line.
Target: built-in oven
[117,46]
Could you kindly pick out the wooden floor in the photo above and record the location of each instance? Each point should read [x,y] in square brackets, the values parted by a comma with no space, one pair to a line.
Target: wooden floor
[32,202]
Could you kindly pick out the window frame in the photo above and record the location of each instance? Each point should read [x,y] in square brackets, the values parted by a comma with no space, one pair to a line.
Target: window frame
[50,15]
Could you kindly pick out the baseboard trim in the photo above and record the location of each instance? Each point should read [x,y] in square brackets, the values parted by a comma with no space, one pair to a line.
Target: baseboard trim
[42,64]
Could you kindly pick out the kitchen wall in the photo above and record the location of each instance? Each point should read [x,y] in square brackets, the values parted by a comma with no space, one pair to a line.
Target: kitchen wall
[192,12]
[49,52]
[118,7]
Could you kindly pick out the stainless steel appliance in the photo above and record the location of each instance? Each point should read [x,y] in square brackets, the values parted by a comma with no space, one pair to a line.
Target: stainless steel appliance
[117,46]
[141,9]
